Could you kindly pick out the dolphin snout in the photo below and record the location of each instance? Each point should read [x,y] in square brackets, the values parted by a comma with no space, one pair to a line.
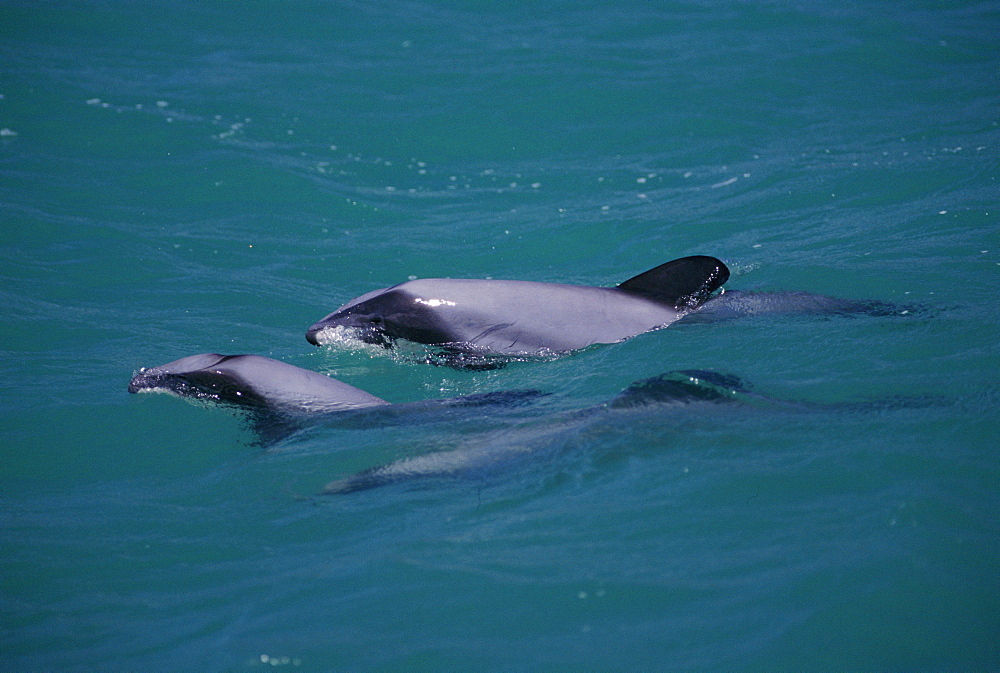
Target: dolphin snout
[341,326]
[328,322]
[312,332]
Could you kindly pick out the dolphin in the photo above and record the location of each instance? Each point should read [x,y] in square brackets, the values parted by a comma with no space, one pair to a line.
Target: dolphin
[699,392]
[675,389]
[524,318]
[253,382]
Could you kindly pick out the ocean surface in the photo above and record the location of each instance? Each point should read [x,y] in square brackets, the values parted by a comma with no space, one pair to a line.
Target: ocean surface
[209,176]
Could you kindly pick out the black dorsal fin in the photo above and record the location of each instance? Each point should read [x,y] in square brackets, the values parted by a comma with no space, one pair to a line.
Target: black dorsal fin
[684,283]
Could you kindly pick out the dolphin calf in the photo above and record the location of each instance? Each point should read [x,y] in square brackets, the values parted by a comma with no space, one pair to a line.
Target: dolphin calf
[517,318]
[254,382]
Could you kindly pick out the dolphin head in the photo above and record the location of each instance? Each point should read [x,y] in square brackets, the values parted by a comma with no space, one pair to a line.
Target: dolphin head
[355,323]
[192,376]
[381,317]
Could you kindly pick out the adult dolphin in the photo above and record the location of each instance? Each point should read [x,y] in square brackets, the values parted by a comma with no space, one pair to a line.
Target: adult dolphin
[699,390]
[516,318]
[696,393]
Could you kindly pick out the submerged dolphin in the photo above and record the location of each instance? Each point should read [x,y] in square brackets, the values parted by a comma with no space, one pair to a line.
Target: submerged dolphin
[698,392]
[510,317]
[676,389]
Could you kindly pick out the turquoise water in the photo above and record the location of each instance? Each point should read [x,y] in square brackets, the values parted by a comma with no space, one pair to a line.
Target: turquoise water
[183,177]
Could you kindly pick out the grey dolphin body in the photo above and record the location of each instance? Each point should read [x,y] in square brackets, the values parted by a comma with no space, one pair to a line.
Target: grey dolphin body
[254,382]
[507,317]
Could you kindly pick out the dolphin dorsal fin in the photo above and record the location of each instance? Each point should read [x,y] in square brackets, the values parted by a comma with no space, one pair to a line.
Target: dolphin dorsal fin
[684,283]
